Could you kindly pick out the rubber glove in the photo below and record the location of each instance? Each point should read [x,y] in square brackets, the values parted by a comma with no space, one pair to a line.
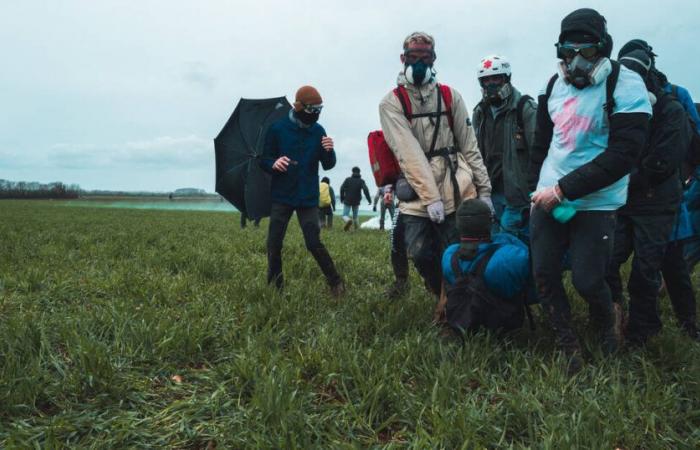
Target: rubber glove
[436,211]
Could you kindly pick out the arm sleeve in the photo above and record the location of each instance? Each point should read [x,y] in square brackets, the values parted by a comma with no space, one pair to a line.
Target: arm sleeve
[376,198]
[530,123]
[270,152]
[465,138]
[542,139]
[366,191]
[627,137]
[330,191]
[342,190]
[410,155]
[327,158]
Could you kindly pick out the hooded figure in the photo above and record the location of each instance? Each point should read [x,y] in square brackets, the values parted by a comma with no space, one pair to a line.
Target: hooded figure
[582,156]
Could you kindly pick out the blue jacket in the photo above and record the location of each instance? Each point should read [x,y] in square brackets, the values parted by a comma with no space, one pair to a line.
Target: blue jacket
[298,186]
[687,102]
[507,273]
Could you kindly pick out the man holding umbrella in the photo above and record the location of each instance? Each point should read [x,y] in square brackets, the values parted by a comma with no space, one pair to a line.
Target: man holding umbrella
[294,146]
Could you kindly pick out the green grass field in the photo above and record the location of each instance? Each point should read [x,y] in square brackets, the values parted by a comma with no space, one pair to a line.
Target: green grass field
[148,329]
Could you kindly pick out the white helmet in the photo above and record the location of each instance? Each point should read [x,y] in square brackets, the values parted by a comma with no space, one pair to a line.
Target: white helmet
[493,65]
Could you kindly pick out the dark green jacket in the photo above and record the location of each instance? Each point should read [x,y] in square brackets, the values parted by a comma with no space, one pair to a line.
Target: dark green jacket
[505,152]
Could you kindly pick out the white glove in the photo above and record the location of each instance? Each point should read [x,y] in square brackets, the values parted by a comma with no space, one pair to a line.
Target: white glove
[436,211]
[488,202]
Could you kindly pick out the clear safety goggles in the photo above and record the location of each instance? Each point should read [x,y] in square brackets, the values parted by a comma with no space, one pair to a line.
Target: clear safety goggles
[412,56]
[569,50]
[312,109]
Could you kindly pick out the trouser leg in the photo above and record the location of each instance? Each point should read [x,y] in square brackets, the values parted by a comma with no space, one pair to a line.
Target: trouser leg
[399,257]
[622,249]
[425,242]
[549,242]
[355,212]
[312,239]
[592,236]
[382,214]
[679,285]
[279,219]
[651,234]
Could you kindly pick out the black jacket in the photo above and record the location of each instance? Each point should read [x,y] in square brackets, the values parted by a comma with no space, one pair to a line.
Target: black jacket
[626,137]
[351,190]
[655,182]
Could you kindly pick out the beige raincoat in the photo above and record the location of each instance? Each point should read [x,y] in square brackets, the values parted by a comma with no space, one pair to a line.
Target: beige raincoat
[410,142]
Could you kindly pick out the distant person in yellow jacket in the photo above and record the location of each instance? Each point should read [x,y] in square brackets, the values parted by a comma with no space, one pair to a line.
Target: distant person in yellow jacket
[326,203]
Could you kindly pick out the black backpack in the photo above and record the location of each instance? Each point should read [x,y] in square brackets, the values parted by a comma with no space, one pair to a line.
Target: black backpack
[470,304]
[692,156]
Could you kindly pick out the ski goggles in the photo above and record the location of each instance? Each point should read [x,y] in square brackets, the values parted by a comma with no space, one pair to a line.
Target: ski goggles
[312,109]
[570,50]
[413,56]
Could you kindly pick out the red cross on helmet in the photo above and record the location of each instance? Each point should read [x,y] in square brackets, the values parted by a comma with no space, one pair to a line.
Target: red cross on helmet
[493,65]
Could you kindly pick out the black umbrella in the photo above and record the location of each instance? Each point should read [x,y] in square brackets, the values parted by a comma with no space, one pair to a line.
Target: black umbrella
[238,146]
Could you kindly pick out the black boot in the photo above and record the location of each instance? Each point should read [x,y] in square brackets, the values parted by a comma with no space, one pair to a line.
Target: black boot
[398,289]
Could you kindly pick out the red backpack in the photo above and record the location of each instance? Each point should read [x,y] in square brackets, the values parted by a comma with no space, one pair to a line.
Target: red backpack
[385,167]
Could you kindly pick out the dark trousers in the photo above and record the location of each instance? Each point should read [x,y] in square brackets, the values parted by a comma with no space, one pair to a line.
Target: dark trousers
[280,215]
[426,241]
[382,212]
[646,236]
[678,285]
[589,240]
[399,256]
[325,216]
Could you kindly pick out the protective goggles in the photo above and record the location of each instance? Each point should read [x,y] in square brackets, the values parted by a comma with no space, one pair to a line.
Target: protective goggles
[413,56]
[570,50]
[312,109]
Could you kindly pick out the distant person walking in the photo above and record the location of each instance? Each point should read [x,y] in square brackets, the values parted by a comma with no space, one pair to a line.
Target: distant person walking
[385,198]
[326,203]
[294,146]
[351,195]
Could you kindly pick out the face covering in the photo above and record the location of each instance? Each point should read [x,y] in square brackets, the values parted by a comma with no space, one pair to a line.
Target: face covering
[581,72]
[496,93]
[419,73]
[306,118]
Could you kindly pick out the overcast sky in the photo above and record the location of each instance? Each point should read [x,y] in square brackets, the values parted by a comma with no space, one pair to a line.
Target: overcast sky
[130,94]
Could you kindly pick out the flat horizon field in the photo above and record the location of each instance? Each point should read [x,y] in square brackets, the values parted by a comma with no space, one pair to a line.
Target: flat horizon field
[134,328]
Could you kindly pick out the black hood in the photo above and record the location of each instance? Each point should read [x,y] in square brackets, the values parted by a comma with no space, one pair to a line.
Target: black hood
[589,23]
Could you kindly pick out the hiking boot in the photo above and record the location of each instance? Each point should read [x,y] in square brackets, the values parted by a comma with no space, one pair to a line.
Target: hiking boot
[338,289]
[397,289]
[347,225]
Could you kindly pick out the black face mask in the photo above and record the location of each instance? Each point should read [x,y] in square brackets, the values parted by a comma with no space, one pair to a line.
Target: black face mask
[306,118]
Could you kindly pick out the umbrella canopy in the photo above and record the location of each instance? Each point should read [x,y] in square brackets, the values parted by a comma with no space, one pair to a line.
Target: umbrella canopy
[239,178]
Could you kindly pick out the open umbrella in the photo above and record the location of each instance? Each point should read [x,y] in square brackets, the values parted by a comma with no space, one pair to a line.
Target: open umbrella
[239,178]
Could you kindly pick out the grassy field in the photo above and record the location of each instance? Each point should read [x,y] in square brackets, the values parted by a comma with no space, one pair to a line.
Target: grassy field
[133,328]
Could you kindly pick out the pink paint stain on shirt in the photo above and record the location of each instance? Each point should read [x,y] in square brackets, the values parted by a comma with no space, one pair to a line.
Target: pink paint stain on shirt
[570,124]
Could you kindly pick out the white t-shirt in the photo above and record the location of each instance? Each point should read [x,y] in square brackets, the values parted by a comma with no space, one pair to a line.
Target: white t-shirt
[581,133]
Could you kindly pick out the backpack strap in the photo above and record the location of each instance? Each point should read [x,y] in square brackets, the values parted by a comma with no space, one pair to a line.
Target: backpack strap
[674,90]
[447,97]
[478,267]
[402,94]
[610,84]
[519,117]
[550,86]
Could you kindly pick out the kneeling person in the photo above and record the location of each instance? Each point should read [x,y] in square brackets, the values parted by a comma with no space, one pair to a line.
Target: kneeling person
[487,276]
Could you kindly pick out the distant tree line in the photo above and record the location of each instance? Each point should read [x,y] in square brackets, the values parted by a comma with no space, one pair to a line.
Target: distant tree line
[32,189]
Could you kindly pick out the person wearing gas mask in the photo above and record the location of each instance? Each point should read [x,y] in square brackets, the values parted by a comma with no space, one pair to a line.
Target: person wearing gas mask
[294,147]
[427,127]
[592,122]
[645,223]
[504,123]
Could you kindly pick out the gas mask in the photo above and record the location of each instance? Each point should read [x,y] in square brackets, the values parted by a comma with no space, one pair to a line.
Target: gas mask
[419,73]
[496,93]
[581,72]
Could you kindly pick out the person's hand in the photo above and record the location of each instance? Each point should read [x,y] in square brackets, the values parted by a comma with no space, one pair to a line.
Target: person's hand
[548,198]
[436,212]
[327,143]
[489,203]
[281,164]
[374,208]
